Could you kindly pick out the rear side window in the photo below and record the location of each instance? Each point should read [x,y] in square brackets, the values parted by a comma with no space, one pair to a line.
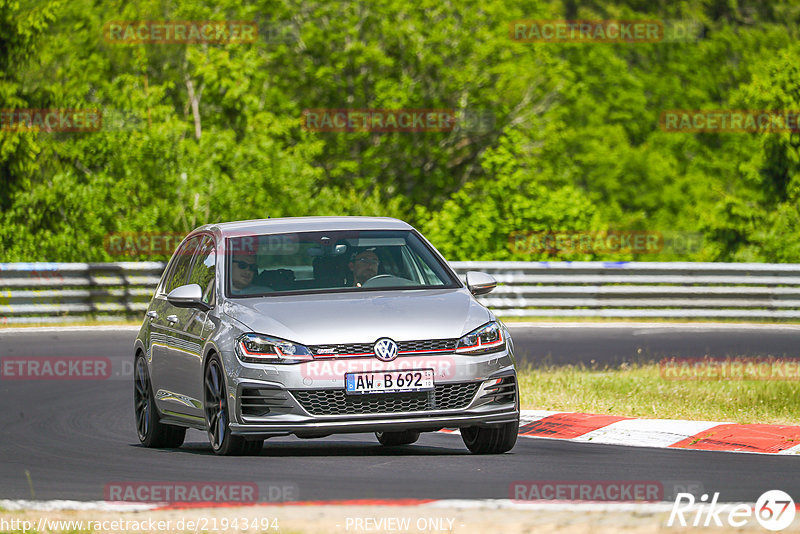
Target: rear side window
[181,263]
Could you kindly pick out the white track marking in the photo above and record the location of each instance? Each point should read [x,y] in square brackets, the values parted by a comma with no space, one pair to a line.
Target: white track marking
[791,450]
[552,506]
[646,432]
[56,505]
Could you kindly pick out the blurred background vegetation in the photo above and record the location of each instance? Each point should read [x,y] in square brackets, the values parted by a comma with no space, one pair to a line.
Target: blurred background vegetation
[573,144]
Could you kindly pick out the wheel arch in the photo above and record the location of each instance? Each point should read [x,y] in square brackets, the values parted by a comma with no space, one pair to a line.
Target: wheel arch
[209,350]
[139,350]
[138,347]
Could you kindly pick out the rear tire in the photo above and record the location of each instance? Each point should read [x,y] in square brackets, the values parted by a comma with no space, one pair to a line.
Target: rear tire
[215,402]
[393,439]
[152,432]
[490,440]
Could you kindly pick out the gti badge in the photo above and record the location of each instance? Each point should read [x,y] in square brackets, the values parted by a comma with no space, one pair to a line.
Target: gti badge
[385,349]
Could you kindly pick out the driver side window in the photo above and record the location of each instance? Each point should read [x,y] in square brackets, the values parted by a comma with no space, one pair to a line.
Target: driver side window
[205,269]
[182,261]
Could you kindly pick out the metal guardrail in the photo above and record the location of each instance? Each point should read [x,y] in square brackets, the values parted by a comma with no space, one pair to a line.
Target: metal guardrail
[642,289]
[68,292]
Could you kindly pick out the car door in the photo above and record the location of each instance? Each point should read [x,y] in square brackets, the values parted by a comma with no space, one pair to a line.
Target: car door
[162,331]
[185,326]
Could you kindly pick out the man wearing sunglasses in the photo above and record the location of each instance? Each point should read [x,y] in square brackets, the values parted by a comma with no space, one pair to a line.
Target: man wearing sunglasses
[364,265]
[243,271]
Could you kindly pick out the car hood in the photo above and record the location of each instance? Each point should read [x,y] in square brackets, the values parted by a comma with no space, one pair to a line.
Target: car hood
[402,315]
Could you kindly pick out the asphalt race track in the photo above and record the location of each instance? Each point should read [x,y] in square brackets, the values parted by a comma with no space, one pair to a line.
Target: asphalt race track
[536,343]
[69,439]
[615,343]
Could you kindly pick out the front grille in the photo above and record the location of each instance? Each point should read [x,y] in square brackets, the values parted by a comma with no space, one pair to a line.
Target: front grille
[427,344]
[336,402]
[367,348]
[342,348]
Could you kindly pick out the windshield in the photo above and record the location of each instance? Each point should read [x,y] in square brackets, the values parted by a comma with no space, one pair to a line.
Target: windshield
[305,262]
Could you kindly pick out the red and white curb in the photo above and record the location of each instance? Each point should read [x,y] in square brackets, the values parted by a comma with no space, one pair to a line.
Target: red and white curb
[665,433]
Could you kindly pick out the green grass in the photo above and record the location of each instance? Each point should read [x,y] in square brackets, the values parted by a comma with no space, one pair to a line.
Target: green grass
[640,391]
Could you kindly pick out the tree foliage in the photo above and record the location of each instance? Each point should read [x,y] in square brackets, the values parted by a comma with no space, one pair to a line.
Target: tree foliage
[197,133]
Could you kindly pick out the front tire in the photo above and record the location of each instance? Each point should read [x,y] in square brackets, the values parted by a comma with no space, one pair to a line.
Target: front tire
[215,400]
[491,440]
[152,432]
[393,439]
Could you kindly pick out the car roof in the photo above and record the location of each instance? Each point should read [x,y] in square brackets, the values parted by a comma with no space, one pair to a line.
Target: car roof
[303,224]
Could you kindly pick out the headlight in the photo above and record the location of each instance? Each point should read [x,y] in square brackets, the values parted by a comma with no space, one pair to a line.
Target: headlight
[257,348]
[488,338]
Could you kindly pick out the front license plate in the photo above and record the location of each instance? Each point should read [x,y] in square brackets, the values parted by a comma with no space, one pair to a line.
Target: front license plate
[389,381]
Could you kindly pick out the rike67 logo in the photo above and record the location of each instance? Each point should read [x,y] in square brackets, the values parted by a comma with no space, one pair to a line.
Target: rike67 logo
[774,510]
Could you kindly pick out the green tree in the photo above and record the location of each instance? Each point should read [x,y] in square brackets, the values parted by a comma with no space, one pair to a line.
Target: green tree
[21,32]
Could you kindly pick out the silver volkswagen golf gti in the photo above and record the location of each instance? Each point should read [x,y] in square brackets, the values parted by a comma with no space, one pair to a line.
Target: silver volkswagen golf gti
[320,325]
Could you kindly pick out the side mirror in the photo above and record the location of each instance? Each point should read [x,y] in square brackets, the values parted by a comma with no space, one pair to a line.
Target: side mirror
[188,296]
[480,283]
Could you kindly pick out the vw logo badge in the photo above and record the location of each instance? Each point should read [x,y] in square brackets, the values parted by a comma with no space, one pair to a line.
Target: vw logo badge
[385,349]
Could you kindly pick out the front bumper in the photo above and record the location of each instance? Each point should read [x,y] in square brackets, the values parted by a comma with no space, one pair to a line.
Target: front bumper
[384,423]
[274,400]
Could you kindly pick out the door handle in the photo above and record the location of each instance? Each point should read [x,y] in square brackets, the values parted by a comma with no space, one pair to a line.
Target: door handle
[172,318]
[152,314]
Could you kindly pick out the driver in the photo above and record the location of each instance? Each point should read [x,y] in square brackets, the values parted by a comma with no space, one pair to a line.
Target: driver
[243,270]
[364,265]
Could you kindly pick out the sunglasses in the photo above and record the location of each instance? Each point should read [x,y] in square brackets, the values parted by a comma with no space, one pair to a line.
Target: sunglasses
[245,266]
